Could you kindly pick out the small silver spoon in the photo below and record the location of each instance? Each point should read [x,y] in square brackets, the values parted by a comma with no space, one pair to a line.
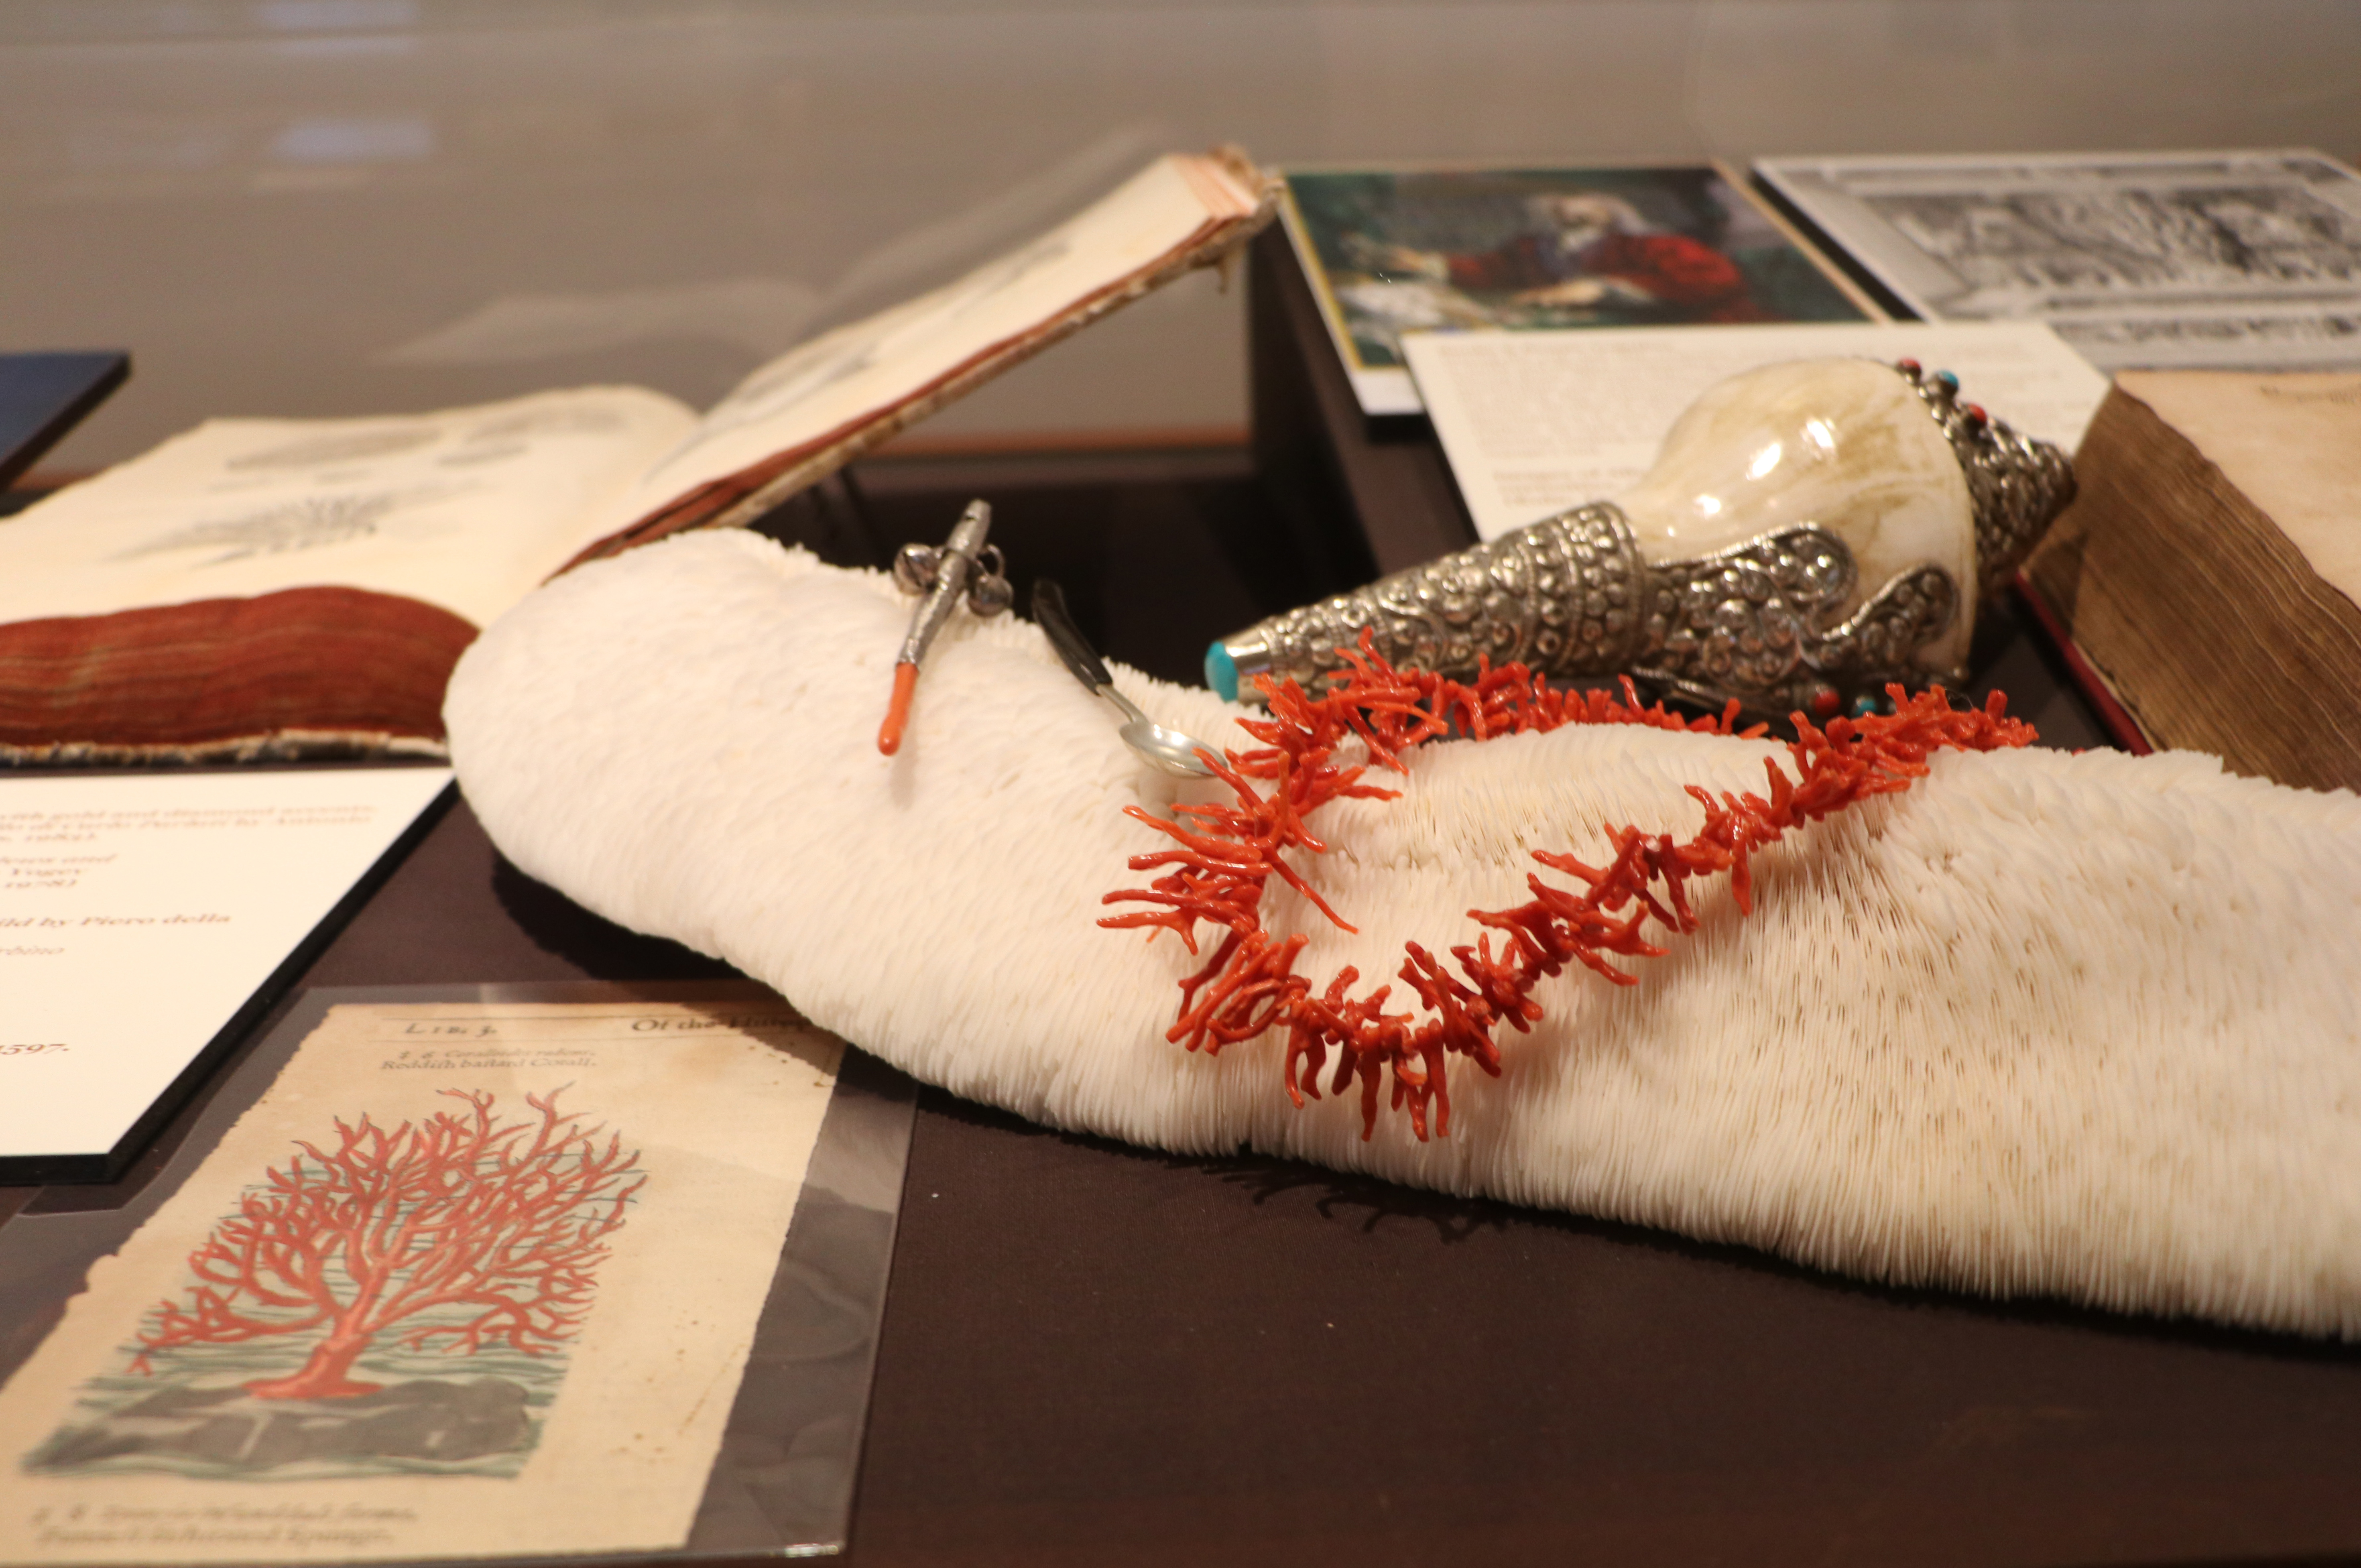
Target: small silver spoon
[1167,749]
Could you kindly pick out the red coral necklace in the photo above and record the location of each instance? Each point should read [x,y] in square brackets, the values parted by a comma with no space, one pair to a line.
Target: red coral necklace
[1224,854]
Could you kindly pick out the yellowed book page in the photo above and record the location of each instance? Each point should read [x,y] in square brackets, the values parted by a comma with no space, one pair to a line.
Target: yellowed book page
[467,508]
[2292,443]
[843,377]
[469,1281]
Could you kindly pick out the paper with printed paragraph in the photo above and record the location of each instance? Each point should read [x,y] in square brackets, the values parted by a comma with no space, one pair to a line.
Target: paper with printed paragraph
[140,912]
[1533,422]
[467,1280]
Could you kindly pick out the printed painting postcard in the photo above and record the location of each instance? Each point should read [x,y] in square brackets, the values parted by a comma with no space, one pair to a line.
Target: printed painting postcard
[1390,251]
[2218,260]
[468,1279]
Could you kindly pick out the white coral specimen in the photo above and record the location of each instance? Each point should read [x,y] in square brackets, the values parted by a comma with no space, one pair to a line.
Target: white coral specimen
[2082,1026]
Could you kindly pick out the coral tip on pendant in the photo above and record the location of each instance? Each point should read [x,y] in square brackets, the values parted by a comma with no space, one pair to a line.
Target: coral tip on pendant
[897,711]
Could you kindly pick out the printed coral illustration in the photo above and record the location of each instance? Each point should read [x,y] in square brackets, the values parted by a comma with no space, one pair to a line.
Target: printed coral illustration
[314,522]
[343,446]
[466,1236]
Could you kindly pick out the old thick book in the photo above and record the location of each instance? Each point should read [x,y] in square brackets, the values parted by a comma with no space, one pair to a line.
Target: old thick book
[2208,571]
[287,587]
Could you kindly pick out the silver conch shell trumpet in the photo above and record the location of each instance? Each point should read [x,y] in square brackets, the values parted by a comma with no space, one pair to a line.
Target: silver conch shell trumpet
[1780,619]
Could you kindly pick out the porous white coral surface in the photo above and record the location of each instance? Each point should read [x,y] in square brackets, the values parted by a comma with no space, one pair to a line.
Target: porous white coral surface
[2082,1026]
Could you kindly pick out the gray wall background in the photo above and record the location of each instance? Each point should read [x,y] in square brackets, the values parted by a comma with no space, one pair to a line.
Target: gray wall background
[358,206]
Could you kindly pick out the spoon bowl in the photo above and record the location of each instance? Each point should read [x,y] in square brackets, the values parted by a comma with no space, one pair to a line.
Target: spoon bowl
[1168,750]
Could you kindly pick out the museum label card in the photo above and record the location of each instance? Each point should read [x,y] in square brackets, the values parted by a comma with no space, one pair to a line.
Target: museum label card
[468,1279]
[139,914]
[1534,423]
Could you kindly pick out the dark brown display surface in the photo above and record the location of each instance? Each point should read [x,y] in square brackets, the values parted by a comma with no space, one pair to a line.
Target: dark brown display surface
[43,396]
[1094,1354]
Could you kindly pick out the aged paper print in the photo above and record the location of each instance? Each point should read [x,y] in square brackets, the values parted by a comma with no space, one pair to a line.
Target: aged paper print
[467,1280]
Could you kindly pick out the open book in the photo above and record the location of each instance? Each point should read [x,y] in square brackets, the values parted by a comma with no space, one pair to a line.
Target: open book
[277,588]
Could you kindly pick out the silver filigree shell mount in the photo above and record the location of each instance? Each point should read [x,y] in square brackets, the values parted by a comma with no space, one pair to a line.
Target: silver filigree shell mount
[1573,597]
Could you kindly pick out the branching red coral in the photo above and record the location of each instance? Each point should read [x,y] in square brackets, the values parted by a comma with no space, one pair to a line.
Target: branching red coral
[1224,855]
[509,1219]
